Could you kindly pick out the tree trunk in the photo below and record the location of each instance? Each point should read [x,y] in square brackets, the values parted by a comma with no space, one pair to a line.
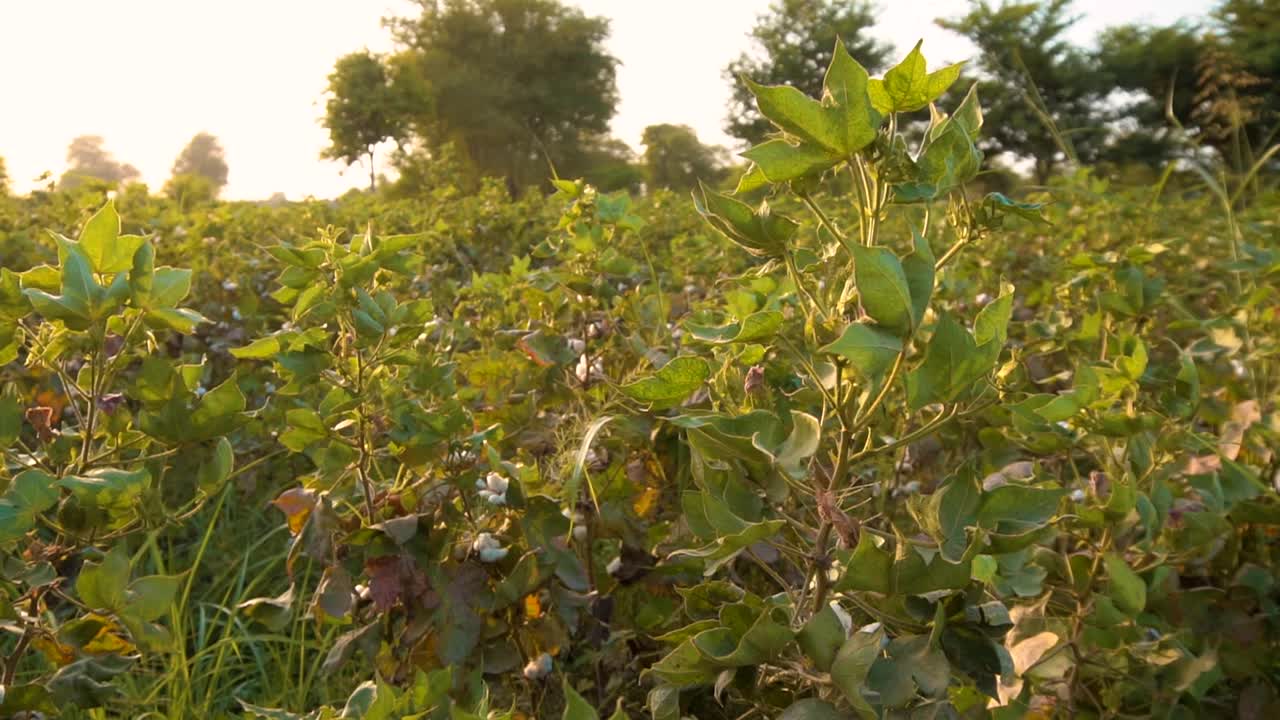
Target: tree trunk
[372,177]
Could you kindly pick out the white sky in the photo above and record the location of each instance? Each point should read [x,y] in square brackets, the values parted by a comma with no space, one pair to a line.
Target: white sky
[149,74]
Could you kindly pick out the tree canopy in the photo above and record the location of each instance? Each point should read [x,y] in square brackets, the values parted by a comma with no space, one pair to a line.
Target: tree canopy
[365,108]
[205,158]
[87,157]
[674,158]
[1044,90]
[510,83]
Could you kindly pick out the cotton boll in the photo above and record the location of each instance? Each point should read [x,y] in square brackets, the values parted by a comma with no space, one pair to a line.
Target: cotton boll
[538,667]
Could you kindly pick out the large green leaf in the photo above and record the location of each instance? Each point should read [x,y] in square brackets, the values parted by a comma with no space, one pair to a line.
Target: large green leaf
[951,366]
[759,231]
[757,327]
[853,663]
[911,664]
[675,381]
[907,86]
[104,585]
[761,641]
[725,549]
[952,510]
[106,249]
[869,349]
[846,84]
[109,488]
[1126,588]
[883,289]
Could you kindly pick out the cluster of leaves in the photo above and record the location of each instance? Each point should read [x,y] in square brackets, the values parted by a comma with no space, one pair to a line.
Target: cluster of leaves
[89,462]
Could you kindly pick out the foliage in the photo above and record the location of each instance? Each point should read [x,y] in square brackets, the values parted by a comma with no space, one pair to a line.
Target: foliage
[89,467]
[490,77]
[794,40]
[854,440]
[87,159]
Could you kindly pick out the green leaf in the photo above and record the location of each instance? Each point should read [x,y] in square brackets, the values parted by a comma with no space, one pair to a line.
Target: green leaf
[11,416]
[675,381]
[747,637]
[869,349]
[150,597]
[853,663]
[953,509]
[801,116]
[142,274]
[759,231]
[575,708]
[846,84]
[918,267]
[1015,509]
[33,490]
[756,327]
[779,161]
[169,287]
[867,568]
[725,549]
[109,488]
[883,289]
[684,667]
[105,248]
[263,347]
[103,586]
[821,638]
[179,319]
[950,366]
[1126,588]
[794,452]
[907,87]
[911,663]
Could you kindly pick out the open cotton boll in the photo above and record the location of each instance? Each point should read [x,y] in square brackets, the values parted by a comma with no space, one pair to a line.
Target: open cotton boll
[488,547]
[538,667]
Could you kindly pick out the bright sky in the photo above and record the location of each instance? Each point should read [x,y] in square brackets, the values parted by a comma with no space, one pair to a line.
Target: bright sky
[149,74]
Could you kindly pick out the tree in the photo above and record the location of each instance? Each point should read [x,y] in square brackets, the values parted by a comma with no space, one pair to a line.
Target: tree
[365,108]
[1043,94]
[794,41]
[511,83]
[607,163]
[87,158]
[1161,65]
[1241,77]
[4,178]
[203,157]
[675,159]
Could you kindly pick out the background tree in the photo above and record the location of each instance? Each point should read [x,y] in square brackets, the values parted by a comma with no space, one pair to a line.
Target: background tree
[1032,74]
[365,108]
[606,162]
[87,158]
[794,41]
[4,178]
[205,158]
[1157,65]
[675,159]
[1240,78]
[511,83]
